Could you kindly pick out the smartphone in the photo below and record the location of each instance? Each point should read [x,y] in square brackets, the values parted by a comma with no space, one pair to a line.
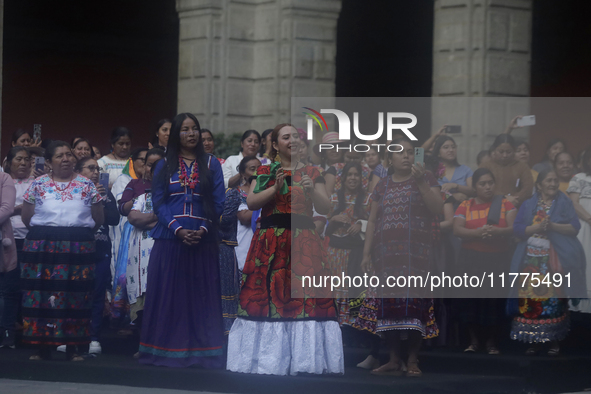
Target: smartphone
[419,156]
[529,120]
[39,164]
[104,180]
[36,132]
[453,129]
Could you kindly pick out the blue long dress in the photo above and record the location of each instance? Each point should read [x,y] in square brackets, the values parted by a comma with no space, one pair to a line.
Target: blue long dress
[183,313]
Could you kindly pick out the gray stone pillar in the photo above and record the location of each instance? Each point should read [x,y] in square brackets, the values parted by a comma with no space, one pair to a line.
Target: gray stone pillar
[482,48]
[241,62]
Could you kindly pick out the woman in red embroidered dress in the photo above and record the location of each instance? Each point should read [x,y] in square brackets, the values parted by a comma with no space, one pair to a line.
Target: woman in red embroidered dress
[275,333]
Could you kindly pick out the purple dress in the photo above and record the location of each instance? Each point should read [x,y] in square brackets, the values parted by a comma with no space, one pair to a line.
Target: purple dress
[182,323]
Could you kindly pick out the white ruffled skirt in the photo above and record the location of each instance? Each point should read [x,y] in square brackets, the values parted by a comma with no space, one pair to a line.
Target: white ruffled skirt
[282,348]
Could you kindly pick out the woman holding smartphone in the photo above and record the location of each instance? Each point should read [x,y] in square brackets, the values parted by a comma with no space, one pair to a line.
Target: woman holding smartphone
[275,333]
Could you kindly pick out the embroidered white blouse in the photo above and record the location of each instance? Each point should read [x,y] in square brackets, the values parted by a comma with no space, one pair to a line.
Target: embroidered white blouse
[62,205]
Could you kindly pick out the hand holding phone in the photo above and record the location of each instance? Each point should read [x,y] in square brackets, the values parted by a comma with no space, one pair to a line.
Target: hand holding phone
[36,134]
[104,180]
[453,129]
[40,164]
[524,121]
[419,156]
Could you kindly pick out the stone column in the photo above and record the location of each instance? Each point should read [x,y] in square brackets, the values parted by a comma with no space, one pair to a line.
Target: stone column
[482,48]
[240,62]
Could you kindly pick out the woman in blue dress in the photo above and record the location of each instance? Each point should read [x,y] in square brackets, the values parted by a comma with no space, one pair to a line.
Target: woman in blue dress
[183,313]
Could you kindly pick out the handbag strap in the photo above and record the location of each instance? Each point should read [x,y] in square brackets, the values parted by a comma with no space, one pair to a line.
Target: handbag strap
[494,212]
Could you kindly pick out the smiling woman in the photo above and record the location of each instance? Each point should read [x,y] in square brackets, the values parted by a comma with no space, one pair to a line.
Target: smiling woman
[249,145]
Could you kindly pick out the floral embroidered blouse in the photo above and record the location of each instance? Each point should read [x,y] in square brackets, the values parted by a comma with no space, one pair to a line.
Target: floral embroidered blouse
[62,204]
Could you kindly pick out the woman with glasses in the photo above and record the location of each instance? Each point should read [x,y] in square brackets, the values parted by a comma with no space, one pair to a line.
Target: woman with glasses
[62,211]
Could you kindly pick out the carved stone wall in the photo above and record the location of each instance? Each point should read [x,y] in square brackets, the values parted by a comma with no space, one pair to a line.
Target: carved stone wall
[240,62]
[482,48]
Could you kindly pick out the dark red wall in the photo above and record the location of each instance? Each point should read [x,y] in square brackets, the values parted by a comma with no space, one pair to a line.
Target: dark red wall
[81,70]
[561,60]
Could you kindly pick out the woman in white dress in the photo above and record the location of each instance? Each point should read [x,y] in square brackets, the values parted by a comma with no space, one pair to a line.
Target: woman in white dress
[579,190]
[250,143]
[114,162]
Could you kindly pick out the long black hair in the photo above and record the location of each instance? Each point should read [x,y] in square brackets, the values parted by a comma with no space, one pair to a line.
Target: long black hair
[263,148]
[442,139]
[161,122]
[360,198]
[171,166]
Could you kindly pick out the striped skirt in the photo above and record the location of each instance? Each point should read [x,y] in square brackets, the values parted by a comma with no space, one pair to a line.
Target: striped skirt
[57,280]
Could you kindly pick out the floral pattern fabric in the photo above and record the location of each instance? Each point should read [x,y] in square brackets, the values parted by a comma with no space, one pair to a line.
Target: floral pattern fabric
[140,247]
[53,314]
[267,276]
[64,204]
[543,310]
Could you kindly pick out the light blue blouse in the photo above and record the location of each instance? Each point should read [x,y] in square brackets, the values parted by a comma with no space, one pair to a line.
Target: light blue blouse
[460,176]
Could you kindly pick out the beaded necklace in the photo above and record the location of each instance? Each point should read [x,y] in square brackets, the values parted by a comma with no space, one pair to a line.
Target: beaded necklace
[186,179]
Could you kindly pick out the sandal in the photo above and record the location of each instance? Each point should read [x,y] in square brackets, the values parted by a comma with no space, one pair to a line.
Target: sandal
[76,358]
[41,356]
[413,369]
[531,351]
[554,352]
[493,350]
[369,363]
[473,348]
[381,371]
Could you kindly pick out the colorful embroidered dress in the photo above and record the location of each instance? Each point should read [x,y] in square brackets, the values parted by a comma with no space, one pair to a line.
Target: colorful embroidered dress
[275,333]
[265,293]
[543,310]
[59,262]
[338,257]
[402,244]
